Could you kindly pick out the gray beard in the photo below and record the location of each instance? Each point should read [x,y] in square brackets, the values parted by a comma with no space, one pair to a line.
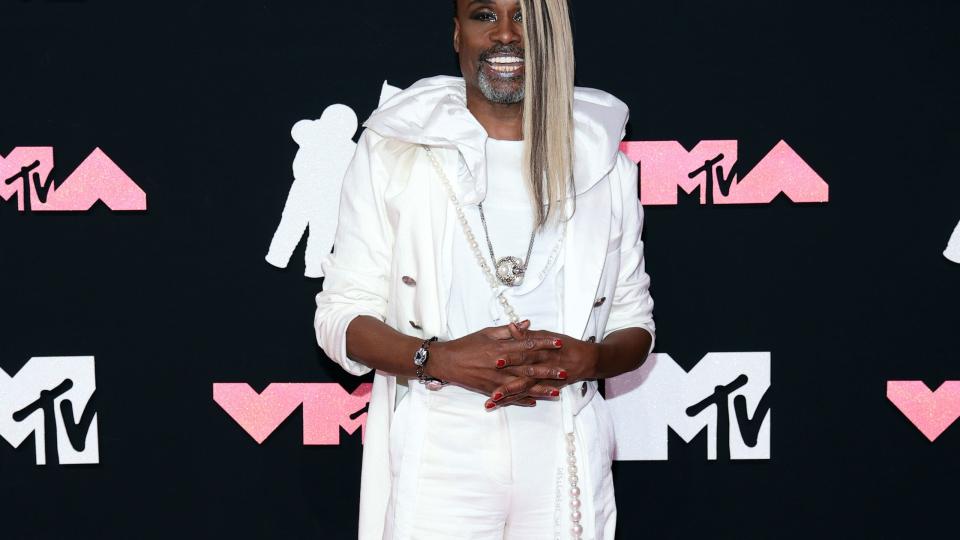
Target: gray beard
[496,95]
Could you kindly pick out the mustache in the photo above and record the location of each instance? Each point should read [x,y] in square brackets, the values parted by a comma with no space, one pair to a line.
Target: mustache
[506,50]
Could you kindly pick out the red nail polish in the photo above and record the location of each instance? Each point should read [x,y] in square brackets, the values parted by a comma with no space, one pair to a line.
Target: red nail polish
[501,362]
[554,392]
[498,396]
[557,342]
[562,374]
[490,405]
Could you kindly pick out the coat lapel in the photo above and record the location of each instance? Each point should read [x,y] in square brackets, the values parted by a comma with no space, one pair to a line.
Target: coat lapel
[588,233]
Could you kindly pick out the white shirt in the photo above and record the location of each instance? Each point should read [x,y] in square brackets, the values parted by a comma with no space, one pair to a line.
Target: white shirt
[509,215]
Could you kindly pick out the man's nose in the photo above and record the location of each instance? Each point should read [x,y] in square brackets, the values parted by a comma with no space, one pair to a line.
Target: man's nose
[507,31]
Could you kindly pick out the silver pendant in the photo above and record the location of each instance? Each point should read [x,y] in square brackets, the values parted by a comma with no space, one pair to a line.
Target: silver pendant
[510,271]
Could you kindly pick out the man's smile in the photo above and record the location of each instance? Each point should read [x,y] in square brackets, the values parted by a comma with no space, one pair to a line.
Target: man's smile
[503,65]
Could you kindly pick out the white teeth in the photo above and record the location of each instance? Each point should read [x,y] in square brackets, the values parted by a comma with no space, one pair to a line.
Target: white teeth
[504,60]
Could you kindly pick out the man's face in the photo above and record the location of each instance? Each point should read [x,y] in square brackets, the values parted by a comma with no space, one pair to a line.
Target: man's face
[488,36]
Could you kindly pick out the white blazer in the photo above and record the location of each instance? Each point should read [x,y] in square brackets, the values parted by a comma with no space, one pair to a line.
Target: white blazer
[396,222]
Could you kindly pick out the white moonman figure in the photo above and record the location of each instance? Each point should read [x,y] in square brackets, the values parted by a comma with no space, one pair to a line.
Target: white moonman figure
[326,148]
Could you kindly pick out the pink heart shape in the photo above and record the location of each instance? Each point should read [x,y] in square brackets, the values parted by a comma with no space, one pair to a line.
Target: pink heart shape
[932,412]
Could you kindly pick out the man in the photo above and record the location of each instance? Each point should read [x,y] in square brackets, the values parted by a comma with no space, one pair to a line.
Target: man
[410,293]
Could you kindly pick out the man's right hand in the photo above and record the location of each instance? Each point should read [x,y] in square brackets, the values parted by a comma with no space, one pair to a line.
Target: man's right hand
[471,361]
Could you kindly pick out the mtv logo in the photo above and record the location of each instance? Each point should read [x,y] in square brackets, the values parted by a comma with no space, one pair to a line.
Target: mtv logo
[327,407]
[51,397]
[712,168]
[25,174]
[725,393]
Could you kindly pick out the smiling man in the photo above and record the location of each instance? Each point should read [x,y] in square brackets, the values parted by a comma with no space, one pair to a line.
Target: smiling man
[488,265]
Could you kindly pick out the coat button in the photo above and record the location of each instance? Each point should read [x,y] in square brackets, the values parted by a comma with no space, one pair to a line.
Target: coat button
[592,339]
[415,325]
[583,389]
[600,301]
[409,280]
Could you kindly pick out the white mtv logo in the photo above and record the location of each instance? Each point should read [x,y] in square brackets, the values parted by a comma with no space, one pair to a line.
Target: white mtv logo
[50,398]
[725,393]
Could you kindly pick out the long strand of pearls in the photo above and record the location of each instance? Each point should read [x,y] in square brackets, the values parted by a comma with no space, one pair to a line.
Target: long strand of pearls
[576,530]
[472,241]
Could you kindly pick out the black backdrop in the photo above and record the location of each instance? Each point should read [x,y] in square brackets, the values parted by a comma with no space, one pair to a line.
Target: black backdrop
[195,102]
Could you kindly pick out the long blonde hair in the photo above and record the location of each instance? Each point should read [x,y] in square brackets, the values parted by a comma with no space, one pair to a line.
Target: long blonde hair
[548,105]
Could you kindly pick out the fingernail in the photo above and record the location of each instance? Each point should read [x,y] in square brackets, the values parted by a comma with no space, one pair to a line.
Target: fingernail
[557,342]
[501,362]
[562,374]
[554,392]
[497,396]
[489,405]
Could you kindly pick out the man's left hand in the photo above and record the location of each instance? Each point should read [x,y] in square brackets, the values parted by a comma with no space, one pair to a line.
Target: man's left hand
[575,357]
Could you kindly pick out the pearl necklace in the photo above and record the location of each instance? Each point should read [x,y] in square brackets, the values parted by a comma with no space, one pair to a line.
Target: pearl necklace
[576,530]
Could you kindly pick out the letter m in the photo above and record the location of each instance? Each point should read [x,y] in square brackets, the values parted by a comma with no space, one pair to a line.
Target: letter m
[326,408]
[648,401]
[52,425]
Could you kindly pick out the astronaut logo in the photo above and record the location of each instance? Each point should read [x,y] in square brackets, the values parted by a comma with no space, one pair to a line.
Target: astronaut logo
[326,149]
[725,393]
[52,398]
[25,174]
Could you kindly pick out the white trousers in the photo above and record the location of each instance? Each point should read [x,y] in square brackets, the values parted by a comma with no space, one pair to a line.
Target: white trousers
[462,472]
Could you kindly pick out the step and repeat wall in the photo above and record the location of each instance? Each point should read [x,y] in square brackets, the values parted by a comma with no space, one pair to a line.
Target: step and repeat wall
[169,180]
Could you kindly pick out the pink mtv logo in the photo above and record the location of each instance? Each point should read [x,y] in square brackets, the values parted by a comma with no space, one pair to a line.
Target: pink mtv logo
[932,412]
[326,408]
[25,173]
[666,166]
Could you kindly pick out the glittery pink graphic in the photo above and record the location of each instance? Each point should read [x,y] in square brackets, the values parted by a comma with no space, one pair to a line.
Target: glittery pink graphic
[709,170]
[25,172]
[326,408]
[34,162]
[932,412]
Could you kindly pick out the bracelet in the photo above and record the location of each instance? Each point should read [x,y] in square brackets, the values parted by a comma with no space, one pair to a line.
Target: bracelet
[420,360]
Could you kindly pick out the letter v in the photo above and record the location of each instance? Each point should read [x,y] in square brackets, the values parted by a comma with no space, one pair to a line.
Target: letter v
[77,431]
[258,414]
[750,427]
[931,412]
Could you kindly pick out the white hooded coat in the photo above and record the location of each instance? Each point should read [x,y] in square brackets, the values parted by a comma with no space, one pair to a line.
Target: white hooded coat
[396,220]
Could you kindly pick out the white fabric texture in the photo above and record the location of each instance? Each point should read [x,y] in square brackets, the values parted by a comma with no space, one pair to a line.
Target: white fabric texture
[509,216]
[486,475]
[463,473]
[396,220]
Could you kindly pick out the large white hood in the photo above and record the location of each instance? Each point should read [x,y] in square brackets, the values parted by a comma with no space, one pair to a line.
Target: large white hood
[433,111]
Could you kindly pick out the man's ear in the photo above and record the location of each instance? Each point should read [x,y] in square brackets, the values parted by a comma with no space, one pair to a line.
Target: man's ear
[456,35]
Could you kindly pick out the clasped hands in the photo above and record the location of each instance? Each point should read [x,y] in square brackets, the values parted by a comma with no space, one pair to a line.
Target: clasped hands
[513,364]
